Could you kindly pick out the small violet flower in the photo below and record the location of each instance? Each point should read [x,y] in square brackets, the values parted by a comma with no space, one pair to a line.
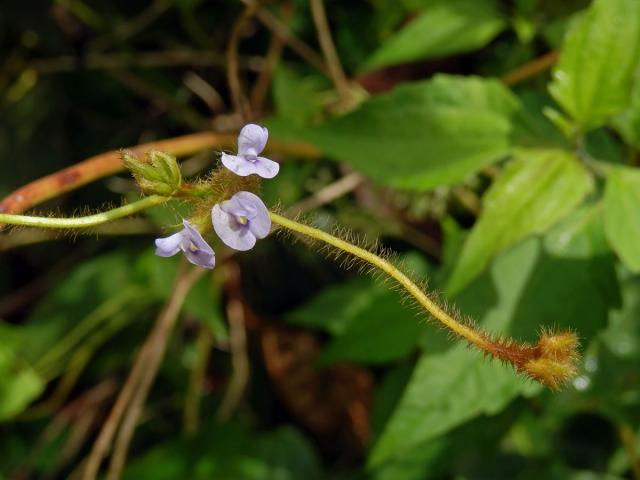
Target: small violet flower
[241,220]
[189,240]
[251,142]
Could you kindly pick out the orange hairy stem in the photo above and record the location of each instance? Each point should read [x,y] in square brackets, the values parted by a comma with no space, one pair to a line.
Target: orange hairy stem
[109,163]
[552,361]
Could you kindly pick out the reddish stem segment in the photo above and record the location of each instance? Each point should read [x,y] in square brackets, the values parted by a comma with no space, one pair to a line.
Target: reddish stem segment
[109,163]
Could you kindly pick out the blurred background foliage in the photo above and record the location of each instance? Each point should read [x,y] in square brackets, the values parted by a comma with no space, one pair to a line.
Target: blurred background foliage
[492,143]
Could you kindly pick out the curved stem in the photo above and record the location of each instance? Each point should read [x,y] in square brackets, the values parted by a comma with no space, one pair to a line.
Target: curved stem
[438,313]
[552,361]
[83,222]
[336,71]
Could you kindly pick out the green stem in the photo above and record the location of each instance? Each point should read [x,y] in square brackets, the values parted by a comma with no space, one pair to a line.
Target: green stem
[83,222]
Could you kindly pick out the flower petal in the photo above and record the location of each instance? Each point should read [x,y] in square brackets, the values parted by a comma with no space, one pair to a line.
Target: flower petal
[201,258]
[252,139]
[196,248]
[234,207]
[238,164]
[169,246]
[266,168]
[260,222]
[234,235]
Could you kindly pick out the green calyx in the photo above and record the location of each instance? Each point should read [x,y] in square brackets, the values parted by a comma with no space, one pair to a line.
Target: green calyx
[157,174]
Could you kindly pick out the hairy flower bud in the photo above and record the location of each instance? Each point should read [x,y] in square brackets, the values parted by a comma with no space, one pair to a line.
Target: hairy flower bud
[158,174]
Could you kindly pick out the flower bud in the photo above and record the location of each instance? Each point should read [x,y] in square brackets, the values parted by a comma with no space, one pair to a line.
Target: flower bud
[159,174]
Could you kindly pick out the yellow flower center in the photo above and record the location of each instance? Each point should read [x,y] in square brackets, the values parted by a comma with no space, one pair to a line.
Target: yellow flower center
[242,220]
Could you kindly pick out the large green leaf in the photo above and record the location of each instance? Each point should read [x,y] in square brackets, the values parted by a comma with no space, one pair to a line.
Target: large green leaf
[622,214]
[575,258]
[444,27]
[592,80]
[533,193]
[425,134]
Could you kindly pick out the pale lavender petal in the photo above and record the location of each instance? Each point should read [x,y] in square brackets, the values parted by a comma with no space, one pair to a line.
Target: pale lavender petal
[232,233]
[257,213]
[201,258]
[238,164]
[266,168]
[252,139]
[169,246]
[234,207]
[195,248]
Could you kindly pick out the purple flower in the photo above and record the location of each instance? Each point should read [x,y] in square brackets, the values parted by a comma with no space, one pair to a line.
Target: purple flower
[251,142]
[241,220]
[189,240]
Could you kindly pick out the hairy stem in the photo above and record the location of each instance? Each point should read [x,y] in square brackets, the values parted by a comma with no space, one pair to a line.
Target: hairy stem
[83,222]
[551,361]
[438,313]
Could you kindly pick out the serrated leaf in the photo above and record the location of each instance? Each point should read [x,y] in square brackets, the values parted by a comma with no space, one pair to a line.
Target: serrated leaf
[444,28]
[622,214]
[534,192]
[592,80]
[424,134]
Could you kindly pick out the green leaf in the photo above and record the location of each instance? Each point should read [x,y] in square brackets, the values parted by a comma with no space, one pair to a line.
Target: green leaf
[203,302]
[592,80]
[336,307]
[425,134]
[19,384]
[230,452]
[384,331]
[622,214]
[573,285]
[445,391]
[534,192]
[628,122]
[622,335]
[297,99]
[444,28]
[370,321]
[563,280]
